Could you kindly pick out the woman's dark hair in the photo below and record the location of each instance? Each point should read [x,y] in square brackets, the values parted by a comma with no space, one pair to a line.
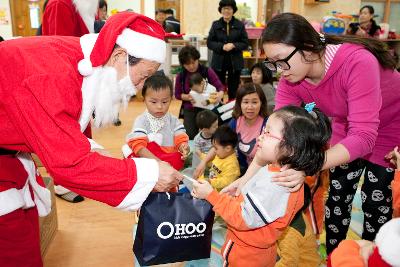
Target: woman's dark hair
[187,54]
[205,118]
[195,79]
[103,3]
[370,9]
[304,138]
[225,136]
[157,82]
[295,30]
[224,3]
[266,73]
[246,89]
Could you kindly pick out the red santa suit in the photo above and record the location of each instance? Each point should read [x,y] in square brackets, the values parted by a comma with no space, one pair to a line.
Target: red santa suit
[43,102]
[69,17]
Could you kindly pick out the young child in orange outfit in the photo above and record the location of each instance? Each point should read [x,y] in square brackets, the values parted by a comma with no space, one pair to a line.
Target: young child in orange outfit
[257,217]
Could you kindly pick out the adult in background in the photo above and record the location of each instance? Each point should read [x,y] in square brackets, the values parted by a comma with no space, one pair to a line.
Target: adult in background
[46,106]
[354,81]
[227,39]
[366,25]
[102,10]
[171,20]
[71,18]
[189,59]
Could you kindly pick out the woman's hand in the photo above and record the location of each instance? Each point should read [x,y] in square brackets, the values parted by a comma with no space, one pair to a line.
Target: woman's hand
[199,170]
[289,178]
[201,189]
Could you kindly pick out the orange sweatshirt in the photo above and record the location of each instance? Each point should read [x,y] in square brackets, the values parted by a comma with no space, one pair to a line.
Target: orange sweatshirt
[252,247]
[396,194]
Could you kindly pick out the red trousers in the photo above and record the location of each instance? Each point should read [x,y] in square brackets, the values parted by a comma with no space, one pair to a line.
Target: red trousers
[19,239]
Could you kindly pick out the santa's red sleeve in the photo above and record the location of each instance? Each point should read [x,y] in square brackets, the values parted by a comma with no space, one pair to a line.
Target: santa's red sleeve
[45,110]
[59,19]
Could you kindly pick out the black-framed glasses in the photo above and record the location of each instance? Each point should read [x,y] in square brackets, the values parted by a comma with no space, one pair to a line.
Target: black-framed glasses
[282,64]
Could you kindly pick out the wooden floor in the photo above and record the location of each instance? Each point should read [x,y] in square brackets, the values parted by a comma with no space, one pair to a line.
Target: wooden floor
[91,233]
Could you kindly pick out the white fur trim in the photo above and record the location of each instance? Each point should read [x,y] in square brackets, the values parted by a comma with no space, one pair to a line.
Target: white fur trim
[147,177]
[94,144]
[388,242]
[87,9]
[10,200]
[142,45]
[42,197]
[126,150]
[85,67]
[13,199]
[87,42]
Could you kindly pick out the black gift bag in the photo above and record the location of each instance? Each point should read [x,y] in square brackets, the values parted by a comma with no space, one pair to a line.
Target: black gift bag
[173,227]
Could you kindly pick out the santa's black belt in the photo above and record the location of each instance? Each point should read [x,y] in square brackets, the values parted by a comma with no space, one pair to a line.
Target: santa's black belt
[4,151]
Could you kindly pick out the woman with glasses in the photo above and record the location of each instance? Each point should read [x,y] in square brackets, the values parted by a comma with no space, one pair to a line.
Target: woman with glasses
[353,81]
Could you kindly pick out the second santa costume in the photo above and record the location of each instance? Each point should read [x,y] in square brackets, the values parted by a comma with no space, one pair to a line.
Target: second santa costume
[69,17]
[46,102]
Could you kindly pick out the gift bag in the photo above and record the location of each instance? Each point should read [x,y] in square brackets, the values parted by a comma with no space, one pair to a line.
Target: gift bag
[173,227]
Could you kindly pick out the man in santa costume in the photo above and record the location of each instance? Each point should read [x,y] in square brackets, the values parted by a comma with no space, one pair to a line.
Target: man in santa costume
[49,88]
[70,18]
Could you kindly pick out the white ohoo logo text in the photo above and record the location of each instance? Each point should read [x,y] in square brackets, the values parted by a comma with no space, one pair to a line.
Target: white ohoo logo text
[181,230]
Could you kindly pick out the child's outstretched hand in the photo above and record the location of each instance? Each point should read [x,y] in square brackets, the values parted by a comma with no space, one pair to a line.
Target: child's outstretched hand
[201,189]
[184,149]
[394,157]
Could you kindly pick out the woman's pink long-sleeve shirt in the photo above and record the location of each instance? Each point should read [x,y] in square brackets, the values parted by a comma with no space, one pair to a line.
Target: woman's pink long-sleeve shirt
[361,97]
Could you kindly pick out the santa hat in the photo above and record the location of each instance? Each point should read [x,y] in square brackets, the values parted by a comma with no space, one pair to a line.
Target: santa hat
[387,251]
[141,36]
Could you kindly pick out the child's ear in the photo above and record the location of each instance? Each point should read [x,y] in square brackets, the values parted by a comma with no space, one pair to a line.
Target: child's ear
[228,148]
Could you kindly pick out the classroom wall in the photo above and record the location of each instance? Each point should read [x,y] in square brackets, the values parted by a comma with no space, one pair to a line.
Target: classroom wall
[197,16]
[317,11]
[5,29]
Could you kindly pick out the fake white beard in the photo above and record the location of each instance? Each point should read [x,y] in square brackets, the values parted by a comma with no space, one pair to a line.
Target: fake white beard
[87,10]
[103,94]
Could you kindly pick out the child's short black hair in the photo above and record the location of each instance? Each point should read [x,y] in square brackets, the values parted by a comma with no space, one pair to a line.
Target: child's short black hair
[225,136]
[195,79]
[157,82]
[305,138]
[205,118]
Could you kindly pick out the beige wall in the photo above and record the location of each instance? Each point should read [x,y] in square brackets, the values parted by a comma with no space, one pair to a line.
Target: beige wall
[6,30]
[317,11]
[197,16]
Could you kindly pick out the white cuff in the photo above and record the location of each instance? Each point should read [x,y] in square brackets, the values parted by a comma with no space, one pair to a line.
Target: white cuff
[147,177]
[94,144]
